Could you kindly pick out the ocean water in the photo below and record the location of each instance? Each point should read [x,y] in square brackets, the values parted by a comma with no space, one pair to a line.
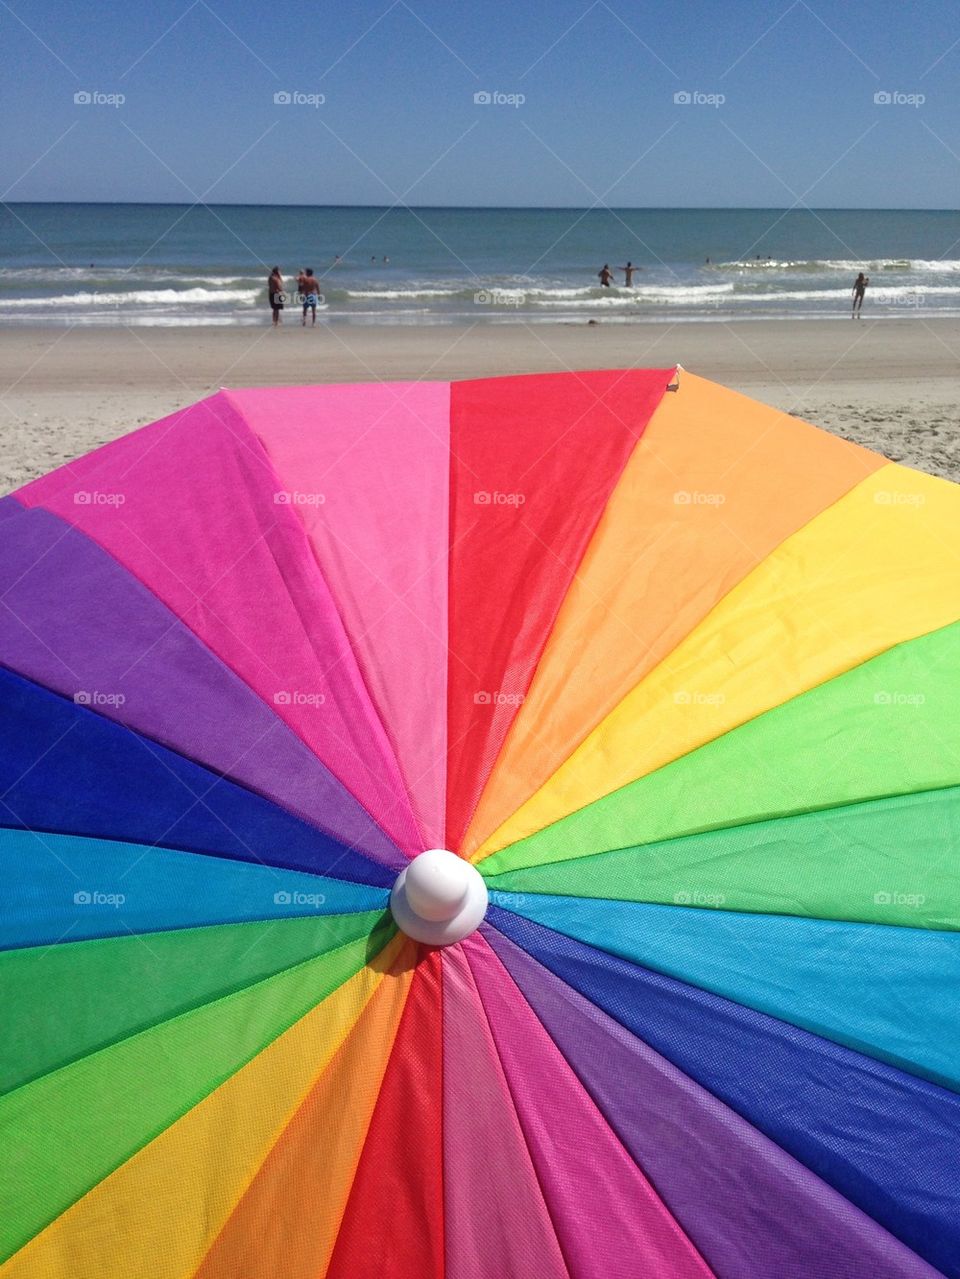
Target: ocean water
[144,264]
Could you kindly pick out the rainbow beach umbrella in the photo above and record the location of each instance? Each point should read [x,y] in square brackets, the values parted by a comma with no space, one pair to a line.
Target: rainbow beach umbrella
[491,829]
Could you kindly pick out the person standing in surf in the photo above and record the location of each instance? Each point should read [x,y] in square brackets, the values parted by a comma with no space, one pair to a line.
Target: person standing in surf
[628,271]
[275,294]
[310,292]
[859,288]
[605,276]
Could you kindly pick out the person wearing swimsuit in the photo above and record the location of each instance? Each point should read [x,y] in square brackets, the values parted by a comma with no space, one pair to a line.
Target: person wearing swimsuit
[859,288]
[275,294]
[310,289]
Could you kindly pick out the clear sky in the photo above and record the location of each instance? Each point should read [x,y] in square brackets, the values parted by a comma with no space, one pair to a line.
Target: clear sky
[798,121]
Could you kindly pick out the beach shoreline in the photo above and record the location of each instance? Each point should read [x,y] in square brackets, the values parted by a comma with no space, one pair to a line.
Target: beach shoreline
[159,265]
[893,385]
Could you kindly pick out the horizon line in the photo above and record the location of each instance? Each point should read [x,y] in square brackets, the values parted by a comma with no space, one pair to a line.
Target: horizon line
[506,208]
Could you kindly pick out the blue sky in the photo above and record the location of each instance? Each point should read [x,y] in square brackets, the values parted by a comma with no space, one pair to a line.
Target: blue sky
[797,123]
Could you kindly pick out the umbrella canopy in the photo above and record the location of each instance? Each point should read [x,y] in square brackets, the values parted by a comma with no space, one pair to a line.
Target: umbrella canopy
[489,829]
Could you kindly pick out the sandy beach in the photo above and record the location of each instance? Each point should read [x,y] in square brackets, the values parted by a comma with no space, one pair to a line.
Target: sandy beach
[893,385]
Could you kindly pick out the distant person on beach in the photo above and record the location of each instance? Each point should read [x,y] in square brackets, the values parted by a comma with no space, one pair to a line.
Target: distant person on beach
[859,288]
[310,292]
[628,271]
[605,276]
[275,294]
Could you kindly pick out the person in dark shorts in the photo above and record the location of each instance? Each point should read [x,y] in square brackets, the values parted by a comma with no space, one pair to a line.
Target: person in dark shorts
[859,288]
[275,294]
[310,292]
[605,276]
